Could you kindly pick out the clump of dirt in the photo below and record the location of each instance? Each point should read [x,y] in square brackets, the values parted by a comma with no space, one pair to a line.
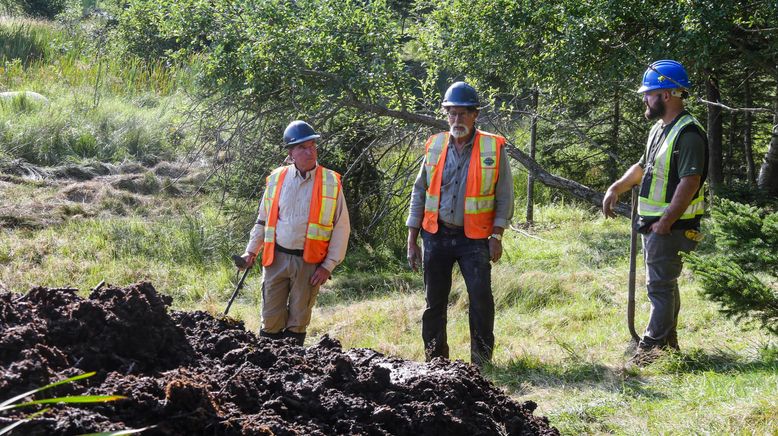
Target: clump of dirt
[191,373]
[72,171]
[87,192]
[171,170]
[146,184]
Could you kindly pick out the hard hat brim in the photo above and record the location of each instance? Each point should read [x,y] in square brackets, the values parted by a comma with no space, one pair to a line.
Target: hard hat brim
[644,89]
[301,140]
[460,103]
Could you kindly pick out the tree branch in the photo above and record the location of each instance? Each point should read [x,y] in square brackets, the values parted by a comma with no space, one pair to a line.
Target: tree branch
[734,109]
[574,188]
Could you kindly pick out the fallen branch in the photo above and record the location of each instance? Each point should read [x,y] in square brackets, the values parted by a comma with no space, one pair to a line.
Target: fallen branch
[518,230]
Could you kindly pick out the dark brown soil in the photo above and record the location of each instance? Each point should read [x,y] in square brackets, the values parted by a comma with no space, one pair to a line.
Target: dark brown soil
[190,373]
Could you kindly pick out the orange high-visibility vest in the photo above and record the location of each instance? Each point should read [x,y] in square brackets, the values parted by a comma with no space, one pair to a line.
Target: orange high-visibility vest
[481,182]
[326,186]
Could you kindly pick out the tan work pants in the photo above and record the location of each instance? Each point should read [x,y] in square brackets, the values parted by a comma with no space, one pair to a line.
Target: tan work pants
[287,294]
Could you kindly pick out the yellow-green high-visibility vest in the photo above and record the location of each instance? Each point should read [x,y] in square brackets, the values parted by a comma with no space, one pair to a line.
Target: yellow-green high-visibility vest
[654,201]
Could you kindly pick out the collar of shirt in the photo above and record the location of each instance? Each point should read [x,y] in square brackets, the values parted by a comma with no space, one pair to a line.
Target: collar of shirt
[308,174]
[467,146]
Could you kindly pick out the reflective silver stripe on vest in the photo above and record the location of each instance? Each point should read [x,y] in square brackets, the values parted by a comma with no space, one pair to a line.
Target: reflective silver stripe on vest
[329,189]
[433,155]
[488,150]
[482,204]
[431,159]
[270,191]
[322,231]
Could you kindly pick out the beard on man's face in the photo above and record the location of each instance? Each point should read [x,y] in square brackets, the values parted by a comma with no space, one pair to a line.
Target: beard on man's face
[459,130]
[656,111]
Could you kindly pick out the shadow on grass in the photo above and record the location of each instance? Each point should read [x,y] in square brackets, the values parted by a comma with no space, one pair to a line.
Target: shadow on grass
[520,374]
[355,287]
[719,361]
[524,373]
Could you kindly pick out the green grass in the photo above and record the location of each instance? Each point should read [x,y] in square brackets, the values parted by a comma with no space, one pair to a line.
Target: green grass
[105,106]
[562,337]
[560,324]
[184,252]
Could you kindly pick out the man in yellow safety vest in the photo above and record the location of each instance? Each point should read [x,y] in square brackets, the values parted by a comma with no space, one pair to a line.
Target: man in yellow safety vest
[671,174]
[302,232]
[462,201]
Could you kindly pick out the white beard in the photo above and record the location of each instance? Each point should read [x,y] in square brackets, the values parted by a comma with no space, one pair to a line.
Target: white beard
[459,133]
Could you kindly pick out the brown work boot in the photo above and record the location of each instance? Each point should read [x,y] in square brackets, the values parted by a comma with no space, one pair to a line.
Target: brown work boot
[672,341]
[643,357]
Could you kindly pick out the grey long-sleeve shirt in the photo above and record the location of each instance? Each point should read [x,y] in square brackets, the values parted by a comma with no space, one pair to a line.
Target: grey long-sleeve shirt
[294,205]
[452,190]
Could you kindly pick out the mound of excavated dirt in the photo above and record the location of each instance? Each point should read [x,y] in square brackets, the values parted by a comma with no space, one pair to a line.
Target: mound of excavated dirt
[189,373]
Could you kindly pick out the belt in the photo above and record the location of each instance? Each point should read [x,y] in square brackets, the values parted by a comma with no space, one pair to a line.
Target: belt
[298,253]
[450,226]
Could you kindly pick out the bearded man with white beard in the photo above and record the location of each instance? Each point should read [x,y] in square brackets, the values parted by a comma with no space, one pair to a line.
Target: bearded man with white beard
[462,201]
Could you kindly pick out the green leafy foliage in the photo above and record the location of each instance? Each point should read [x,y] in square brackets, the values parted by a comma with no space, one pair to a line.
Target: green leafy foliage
[42,8]
[14,402]
[742,273]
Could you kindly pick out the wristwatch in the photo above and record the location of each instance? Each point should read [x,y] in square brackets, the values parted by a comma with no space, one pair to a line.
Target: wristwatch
[496,236]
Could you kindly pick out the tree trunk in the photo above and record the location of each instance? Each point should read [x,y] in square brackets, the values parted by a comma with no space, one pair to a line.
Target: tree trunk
[533,137]
[730,160]
[747,134]
[768,174]
[715,173]
[613,168]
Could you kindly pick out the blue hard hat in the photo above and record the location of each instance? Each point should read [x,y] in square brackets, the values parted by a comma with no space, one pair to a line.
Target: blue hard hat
[460,94]
[665,74]
[299,131]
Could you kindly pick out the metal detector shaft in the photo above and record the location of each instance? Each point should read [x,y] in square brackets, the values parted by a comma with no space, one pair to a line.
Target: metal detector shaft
[240,263]
[235,292]
[633,249]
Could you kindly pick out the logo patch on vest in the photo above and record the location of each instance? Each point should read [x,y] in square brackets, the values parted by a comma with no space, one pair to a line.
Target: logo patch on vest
[489,161]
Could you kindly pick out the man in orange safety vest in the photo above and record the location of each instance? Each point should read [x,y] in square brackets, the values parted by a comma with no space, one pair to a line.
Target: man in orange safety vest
[302,232]
[462,201]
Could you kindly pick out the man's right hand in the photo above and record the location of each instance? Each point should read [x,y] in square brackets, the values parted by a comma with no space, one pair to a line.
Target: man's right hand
[414,255]
[249,258]
[609,202]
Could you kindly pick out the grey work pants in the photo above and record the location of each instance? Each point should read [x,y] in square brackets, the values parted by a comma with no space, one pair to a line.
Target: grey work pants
[663,267]
[287,294]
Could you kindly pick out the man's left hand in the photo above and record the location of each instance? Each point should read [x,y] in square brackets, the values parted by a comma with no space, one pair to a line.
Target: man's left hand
[661,227]
[495,249]
[320,276]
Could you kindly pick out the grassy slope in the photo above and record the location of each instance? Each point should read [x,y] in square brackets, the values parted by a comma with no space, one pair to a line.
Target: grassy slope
[99,106]
[560,328]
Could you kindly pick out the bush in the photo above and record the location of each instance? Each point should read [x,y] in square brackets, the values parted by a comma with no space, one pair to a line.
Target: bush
[742,272]
[43,8]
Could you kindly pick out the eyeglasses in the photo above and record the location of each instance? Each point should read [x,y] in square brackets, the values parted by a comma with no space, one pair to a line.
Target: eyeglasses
[458,114]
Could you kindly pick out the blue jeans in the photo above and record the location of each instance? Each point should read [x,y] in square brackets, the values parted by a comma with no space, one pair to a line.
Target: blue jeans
[441,251]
